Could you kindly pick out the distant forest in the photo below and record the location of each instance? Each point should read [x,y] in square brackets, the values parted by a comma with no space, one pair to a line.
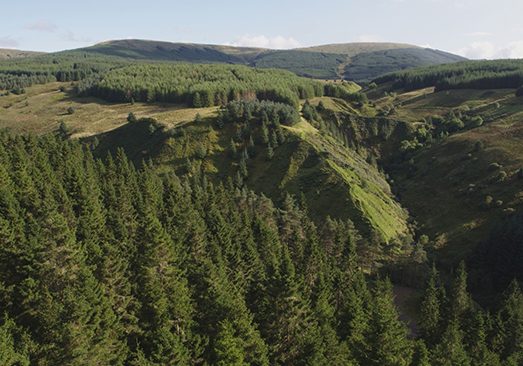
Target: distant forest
[463,75]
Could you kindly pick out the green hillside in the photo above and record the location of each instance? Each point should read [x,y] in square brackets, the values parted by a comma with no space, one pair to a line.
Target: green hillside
[166,51]
[176,209]
[366,66]
[8,54]
[333,180]
[349,61]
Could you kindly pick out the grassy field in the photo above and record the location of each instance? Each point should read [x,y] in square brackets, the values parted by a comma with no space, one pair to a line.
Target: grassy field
[44,107]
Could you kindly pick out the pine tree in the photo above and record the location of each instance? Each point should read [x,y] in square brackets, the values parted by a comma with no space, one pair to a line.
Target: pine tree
[450,351]
[166,313]
[10,354]
[511,317]
[475,341]
[430,310]
[421,355]
[459,297]
[387,335]
[228,347]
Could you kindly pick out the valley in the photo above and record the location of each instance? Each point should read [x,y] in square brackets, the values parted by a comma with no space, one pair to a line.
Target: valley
[345,204]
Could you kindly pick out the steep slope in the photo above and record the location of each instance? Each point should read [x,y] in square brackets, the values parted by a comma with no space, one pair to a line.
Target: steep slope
[459,172]
[366,66]
[333,180]
[365,61]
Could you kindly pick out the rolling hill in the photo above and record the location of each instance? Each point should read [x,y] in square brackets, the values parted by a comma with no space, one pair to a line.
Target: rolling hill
[351,61]
[8,54]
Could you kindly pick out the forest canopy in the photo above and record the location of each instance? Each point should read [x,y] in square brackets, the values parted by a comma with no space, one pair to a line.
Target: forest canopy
[199,85]
[497,74]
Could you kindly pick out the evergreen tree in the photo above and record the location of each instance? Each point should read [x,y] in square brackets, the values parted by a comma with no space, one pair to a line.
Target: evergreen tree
[228,348]
[459,296]
[511,318]
[450,351]
[421,355]
[387,335]
[430,309]
[10,354]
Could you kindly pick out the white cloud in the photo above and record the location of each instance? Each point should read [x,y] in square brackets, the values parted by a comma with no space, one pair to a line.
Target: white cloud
[488,50]
[478,50]
[42,26]
[261,41]
[512,50]
[8,42]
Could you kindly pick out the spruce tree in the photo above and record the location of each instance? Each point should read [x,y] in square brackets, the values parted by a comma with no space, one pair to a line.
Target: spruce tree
[387,335]
[450,351]
[430,309]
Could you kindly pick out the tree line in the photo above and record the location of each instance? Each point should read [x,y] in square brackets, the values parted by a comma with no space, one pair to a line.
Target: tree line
[499,74]
[199,85]
[16,75]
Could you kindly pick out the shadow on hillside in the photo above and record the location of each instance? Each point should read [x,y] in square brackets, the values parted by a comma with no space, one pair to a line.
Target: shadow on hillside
[140,141]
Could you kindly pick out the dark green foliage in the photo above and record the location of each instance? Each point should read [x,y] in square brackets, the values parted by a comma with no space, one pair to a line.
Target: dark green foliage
[304,63]
[431,309]
[11,354]
[131,118]
[66,66]
[387,335]
[272,113]
[199,85]
[343,92]
[519,92]
[102,263]
[450,351]
[463,75]
[369,65]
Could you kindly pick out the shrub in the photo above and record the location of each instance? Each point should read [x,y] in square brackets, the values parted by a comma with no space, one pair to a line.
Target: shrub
[131,118]
[70,110]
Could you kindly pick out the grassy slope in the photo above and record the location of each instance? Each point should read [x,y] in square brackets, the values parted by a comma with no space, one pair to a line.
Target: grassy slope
[187,52]
[8,54]
[355,61]
[367,191]
[334,180]
[446,185]
[353,49]
[366,66]
[43,107]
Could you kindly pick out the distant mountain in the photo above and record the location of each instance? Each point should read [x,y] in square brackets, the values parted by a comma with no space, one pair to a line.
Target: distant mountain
[187,52]
[7,54]
[350,61]
[355,48]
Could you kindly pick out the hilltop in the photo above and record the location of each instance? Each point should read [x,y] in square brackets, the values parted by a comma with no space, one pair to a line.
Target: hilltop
[7,54]
[350,61]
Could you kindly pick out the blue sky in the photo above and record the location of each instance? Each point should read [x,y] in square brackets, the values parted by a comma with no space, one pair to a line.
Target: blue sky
[473,28]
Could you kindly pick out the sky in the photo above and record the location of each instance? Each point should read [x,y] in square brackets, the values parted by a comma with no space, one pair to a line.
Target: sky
[473,28]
